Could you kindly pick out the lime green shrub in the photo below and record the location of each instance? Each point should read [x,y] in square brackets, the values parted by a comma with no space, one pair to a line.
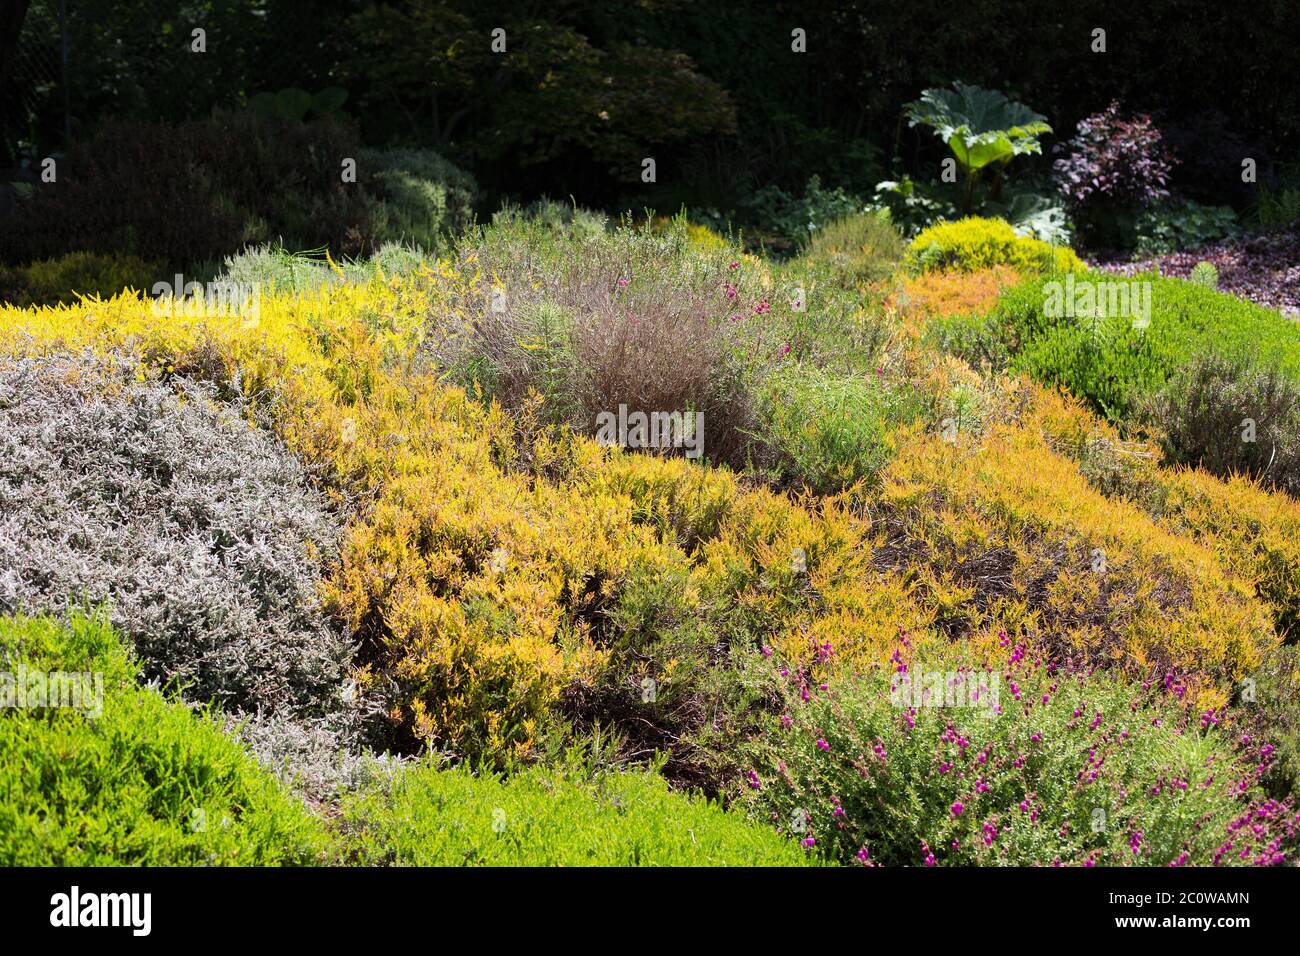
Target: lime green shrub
[865,247]
[1114,362]
[147,781]
[425,816]
[975,243]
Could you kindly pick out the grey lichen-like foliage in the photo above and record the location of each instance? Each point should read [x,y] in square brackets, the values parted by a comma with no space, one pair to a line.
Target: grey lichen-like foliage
[196,528]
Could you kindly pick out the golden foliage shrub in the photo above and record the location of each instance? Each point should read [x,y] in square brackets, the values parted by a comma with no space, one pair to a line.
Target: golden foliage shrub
[1004,531]
[1254,532]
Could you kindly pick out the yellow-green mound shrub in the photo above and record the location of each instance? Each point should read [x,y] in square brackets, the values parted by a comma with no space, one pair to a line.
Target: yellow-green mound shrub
[974,243]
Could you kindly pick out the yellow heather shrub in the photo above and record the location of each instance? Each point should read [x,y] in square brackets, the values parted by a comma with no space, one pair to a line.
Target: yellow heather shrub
[974,243]
[950,292]
[1252,531]
[1005,531]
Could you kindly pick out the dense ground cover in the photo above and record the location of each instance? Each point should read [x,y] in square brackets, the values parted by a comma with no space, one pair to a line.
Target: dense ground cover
[506,587]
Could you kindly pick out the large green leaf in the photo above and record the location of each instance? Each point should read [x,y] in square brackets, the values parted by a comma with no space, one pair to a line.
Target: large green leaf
[980,126]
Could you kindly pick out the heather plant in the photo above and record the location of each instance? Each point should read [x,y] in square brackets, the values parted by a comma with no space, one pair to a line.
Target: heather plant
[828,432]
[1114,362]
[638,318]
[567,219]
[430,816]
[1008,758]
[1205,273]
[148,781]
[271,267]
[202,535]
[1228,417]
[972,244]
[1251,531]
[861,248]
[996,530]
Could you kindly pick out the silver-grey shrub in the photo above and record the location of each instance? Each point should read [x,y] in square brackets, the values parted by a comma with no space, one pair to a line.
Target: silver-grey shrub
[201,533]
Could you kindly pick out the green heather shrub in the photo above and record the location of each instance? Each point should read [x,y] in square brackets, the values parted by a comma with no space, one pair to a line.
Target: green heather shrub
[937,758]
[865,247]
[829,431]
[1112,362]
[427,816]
[52,281]
[974,243]
[145,781]
[1227,417]
[422,198]
[271,267]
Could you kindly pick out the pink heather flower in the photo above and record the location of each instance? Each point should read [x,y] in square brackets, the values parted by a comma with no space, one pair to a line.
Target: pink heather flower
[930,860]
[765,651]
[1036,736]
[1245,740]
[1265,751]
[957,808]
[734,265]
[785,349]
[1089,862]
[731,291]
[622,281]
[1002,638]
[808,842]
[803,693]
[838,811]
[785,672]
[786,721]
[822,744]
[762,308]
[863,855]
[981,786]
[754,782]
[878,750]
